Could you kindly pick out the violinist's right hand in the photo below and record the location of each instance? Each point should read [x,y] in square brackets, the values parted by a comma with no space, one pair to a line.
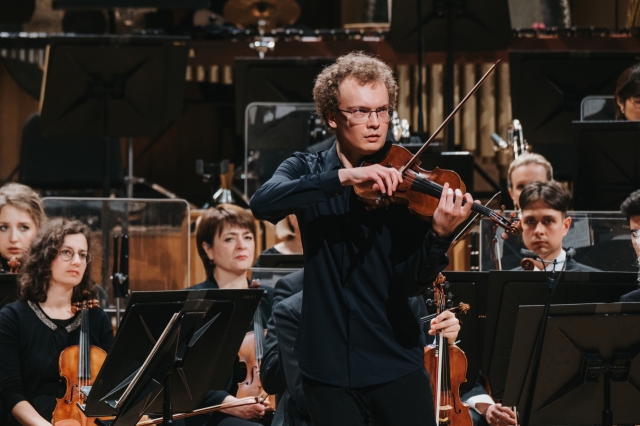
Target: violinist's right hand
[248,412]
[497,414]
[371,178]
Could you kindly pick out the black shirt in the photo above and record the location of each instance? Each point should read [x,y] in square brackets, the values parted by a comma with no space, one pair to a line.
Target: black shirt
[356,326]
[30,349]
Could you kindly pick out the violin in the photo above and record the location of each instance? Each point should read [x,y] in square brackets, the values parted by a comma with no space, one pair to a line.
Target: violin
[79,365]
[420,189]
[447,367]
[14,265]
[251,353]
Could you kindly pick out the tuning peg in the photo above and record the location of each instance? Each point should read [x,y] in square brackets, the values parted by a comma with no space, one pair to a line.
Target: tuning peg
[449,296]
[447,285]
[449,304]
[429,302]
[429,292]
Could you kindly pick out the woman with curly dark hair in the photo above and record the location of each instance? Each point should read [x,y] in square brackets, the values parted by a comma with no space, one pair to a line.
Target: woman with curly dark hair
[35,329]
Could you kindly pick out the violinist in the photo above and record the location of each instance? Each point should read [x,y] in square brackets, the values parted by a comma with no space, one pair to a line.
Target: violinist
[21,214]
[35,329]
[630,208]
[359,345]
[525,169]
[545,223]
[226,244]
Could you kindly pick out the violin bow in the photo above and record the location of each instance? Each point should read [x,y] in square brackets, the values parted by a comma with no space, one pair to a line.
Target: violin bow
[239,403]
[448,119]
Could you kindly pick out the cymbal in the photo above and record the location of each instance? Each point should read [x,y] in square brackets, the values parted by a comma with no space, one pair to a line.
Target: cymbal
[275,13]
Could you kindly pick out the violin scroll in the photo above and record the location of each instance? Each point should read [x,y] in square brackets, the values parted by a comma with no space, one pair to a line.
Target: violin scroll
[14,265]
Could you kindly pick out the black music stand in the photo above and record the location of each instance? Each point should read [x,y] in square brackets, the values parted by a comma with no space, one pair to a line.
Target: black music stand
[606,163]
[508,290]
[448,26]
[112,87]
[590,368]
[171,347]
[8,288]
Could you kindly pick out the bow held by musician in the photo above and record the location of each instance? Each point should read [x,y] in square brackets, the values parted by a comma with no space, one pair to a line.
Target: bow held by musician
[35,329]
[359,343]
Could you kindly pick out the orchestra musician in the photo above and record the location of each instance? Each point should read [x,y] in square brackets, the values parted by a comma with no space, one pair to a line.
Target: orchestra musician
[359,344]
[21,214]
[631,209]
[35,329]
[525,169]
[226,244]
[544,224]
[628,94]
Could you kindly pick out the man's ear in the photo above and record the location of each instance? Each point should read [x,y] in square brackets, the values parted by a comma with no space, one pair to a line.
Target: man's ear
[566,224]
[331,119]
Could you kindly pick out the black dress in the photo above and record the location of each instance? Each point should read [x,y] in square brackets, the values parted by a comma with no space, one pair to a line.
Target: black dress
[237,375]
[30,347]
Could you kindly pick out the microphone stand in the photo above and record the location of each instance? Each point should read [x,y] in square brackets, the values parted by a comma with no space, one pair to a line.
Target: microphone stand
[552,283]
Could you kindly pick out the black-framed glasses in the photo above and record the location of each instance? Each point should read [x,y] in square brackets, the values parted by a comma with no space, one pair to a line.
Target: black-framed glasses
[360,116]
[67,254]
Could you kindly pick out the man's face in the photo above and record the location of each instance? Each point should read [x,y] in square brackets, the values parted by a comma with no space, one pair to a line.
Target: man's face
[521,176]
[358,140]
[634,224]
[543,229]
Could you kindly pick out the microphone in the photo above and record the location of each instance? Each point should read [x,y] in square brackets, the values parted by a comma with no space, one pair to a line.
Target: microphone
[570,252]
[528,253]
[498,141]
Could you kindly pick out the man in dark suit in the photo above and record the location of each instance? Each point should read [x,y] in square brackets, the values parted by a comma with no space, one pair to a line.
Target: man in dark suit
[631,209]
[544,224]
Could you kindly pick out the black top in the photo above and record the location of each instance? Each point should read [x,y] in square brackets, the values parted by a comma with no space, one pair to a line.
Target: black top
[356,328]
[238,374]
[4,265]
[30,347]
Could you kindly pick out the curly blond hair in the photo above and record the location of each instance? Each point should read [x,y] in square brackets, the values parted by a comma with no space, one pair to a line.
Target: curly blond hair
[365,68]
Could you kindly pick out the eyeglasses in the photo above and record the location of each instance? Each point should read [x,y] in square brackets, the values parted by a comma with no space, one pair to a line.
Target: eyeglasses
[361,116]
[67,254]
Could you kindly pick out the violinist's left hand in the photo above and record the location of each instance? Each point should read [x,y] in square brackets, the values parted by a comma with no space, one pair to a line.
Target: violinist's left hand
[448,324]
[449,213]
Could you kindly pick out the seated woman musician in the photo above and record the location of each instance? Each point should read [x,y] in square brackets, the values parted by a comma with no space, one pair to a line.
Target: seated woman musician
[628,94]
[545,223]
[35,329]
[226,244]
[21,214]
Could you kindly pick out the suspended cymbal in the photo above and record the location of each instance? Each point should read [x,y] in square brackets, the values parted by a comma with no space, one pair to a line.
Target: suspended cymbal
[275,13]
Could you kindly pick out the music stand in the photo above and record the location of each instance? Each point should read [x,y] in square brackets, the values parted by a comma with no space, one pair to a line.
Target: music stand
[112,87]
[171,347]
[508,290]
[293,261]
[8,288]
[607,161]
[448,26]
[589,363]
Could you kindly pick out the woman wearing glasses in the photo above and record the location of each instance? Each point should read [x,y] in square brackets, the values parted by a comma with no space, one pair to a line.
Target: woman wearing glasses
[35,329]
[628,94]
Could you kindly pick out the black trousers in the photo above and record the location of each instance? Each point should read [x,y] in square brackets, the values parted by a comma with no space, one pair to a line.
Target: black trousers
[406,401]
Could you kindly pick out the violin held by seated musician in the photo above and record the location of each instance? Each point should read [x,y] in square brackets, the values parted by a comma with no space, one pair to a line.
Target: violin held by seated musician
[38,327]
